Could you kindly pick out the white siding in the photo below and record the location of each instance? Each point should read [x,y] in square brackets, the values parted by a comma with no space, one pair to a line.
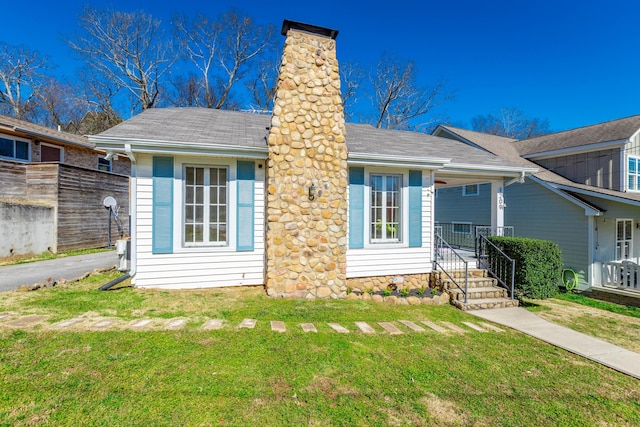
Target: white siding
[196,267]
[383,260]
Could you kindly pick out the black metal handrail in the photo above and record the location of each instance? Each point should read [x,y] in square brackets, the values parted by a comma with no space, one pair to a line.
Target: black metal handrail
[499,264]
[449,261]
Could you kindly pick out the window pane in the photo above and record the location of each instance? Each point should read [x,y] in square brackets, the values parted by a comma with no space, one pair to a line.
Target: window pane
[214,235]
[199,176]
[199,195]
[198,233]
[223,214]
[213,214]
[213,196]
[632,182]
[632,165]
[22,150]
[627,230]
[620,230]
[213,173]
[188,214]
[222,196]
[6,147]
[188,233]
[199,214]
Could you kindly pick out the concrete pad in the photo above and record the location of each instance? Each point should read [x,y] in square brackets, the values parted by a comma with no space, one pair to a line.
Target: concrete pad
[435,327]
[391,328]
[175,324]
[141,323]
[278,326]
[364,327]
[610,355]
[338,328]
[212,325]
[411,325]
[308,327]
[474,327]
[67,323]
[454,328]
[25,321]
[248,324]
[491,327]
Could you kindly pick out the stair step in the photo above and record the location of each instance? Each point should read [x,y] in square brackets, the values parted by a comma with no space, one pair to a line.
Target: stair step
[486,303]
[479,293]
[473,282]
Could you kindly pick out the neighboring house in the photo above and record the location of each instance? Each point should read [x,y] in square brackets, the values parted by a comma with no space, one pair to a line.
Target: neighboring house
[53,185]
[298,200]
[585,197]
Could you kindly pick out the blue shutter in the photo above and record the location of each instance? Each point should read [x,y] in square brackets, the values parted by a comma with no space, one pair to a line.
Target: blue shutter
[356,208]
[162,201]
[415,209]
[246,178]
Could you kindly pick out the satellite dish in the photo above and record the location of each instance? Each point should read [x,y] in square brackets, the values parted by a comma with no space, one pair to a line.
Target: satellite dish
[109,202]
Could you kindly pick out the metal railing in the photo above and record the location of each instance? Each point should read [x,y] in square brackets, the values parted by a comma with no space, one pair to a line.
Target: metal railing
[450,262]
[499,265]
[464,234]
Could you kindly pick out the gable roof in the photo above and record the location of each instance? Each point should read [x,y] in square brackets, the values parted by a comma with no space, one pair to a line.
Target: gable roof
[612,131]
[43,133]
[202,127]
[510,150]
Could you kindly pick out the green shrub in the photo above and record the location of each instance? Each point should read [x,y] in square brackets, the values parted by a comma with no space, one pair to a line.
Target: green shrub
[538,265]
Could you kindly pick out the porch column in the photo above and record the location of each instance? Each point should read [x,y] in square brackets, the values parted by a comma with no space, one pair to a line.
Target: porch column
[497,207]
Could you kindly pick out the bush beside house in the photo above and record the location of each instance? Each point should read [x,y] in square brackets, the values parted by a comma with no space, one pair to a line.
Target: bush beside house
[538,265]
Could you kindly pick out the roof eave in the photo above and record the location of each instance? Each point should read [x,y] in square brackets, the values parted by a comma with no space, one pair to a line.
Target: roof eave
[362,159]
[576,150]
[588,209]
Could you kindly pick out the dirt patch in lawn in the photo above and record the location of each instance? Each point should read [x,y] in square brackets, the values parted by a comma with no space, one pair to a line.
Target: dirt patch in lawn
[611,327]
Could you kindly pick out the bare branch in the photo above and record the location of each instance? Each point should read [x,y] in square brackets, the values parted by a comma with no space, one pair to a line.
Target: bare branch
[512,123]
[20,78]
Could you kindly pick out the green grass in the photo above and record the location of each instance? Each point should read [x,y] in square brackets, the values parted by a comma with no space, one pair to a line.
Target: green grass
[626,310]
[24,259]
[257,377]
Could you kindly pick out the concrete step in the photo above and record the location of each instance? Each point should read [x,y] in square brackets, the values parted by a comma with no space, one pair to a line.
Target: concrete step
[479,304]
[473,272]
[479,293]
[473,282]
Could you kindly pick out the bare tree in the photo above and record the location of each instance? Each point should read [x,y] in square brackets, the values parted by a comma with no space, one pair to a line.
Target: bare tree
[262,86]
[58,103]
[512,123]
[351,76]
[20,78]
[396,98]
[129,49]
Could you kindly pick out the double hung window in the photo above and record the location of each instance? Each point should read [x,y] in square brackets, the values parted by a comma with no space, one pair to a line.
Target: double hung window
[205,206]
[624,229]
[386,212]
[633,174]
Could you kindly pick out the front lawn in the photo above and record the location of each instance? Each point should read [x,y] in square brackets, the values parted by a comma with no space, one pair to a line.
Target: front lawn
[239,377]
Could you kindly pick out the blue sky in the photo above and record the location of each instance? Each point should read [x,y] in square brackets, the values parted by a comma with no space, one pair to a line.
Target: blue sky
[573,62]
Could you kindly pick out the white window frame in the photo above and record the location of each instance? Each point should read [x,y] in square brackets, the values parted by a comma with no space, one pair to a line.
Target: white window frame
[206,207]
[44,144]
[404,212]
[471,193]
[635,184]
[109,166]
[16,139]
[626,241]
[454,223]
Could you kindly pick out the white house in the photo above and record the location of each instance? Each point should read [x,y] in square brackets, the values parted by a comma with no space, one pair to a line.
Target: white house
[298,201]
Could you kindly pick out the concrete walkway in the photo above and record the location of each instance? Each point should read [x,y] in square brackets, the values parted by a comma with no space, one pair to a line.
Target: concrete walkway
[13,276]
[599,351]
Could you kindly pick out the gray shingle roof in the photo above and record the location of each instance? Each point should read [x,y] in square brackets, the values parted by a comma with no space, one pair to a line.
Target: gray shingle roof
[507,149]
[614,130]
[204,125]
[44,133]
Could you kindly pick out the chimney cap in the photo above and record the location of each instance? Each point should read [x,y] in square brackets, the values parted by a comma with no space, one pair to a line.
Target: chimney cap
[308,28]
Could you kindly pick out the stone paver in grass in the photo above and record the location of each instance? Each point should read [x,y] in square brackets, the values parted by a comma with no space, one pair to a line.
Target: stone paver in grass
[308,327]
[338,328]
[103,324]
[67,323]
[278,326]
[138,324]
[364,327]
[25,321]
[412,325]
[454,328]
[175,324]
[474,327]
[433,326]
[491,327]
[4,315]
[391,328]
[212,325]
[248,324]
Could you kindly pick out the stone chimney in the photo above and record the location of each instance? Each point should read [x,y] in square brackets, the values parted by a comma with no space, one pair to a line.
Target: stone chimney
[306,232]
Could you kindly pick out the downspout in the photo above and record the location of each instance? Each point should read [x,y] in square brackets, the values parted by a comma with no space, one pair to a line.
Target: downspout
[133,212]
[519,179]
